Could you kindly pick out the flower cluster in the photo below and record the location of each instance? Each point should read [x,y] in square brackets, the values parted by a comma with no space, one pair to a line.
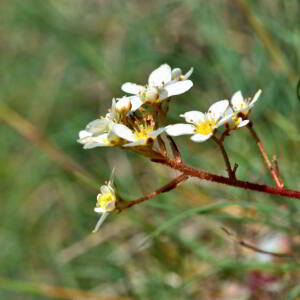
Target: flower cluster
[127,124]
[133,122]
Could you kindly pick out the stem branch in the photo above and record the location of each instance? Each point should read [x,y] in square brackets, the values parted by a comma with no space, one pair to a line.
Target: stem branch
[275,174]
[166,188]
[230,171]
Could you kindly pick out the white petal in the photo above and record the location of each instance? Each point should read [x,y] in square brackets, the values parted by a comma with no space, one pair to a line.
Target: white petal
[104,189]
[199,138]
[100,221]
[160,76]
[132,88]
[229,111]
[227,116]
[91,145]
[157,132]
[163,94]
[99,210]
[193,116]
[95,141]
[226,119]
[98,125]
[123,132]
[136,103]
[83,134]
[237,99]
[256,96]
[178,87]
[180,129]
[188,74]
[102,138]
[218,109]
[123,104]
[243,123]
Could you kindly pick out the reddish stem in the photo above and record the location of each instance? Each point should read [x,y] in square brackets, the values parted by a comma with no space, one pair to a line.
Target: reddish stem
[224,180]
[166,188]
[230,171]
[274,172]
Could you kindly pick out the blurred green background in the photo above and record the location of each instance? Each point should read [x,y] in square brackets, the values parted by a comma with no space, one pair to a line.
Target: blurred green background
[61,63]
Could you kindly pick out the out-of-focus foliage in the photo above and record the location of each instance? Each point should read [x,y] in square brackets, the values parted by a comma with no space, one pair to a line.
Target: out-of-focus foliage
[61,63]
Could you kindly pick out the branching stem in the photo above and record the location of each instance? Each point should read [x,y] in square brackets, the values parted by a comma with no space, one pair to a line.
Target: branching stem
[228,181]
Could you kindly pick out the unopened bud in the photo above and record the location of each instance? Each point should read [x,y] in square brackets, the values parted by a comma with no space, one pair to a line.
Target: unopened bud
[176,73]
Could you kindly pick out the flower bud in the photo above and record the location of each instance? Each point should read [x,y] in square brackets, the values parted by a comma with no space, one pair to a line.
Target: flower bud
[176,73]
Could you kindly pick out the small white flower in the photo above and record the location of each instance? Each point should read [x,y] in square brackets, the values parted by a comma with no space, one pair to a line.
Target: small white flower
[102,140]
[140,137]
[234,120]
[161,85]
[202,125]
[241,104]
[98,133]
[106,201]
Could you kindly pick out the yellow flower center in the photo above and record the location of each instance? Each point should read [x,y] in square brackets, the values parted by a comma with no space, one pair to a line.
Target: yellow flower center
[236,120]
[206,127]
[113,142]
[143,134]
[104,199]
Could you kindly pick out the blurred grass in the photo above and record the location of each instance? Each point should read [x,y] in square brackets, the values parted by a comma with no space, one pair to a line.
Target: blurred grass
[61,63]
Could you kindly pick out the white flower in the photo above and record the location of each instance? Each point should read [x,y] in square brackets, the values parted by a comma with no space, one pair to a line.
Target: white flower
[241,104]
[90,140]
[202,125]
[160,86]
[106,201]
[98,133]
[140,137]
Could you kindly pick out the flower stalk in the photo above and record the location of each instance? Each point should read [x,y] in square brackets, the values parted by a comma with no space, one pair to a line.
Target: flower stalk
[274,170]
[231,172]
[166,188]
